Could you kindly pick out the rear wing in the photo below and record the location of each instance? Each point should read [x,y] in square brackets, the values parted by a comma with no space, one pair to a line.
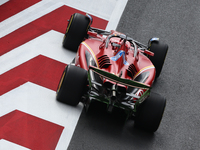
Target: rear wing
[125,82]
[119,80]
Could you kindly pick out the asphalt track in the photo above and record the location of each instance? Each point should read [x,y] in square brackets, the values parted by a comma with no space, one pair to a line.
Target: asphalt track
[176,23]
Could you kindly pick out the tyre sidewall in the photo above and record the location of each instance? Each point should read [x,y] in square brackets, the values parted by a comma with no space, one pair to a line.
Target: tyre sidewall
[150,112]
[73,85]
[76,31]
[160,51]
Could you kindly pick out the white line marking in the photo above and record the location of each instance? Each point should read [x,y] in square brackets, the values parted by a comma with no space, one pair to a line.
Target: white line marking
[7,145]
[26,16]
[116,15]
[39,101]
[48,44]
[109,10]
[3,1]
[99,8]
[34,99]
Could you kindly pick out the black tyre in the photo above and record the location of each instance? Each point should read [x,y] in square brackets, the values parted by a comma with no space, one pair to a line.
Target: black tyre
[76,31]
[72,85]
[150,113]
[160,52]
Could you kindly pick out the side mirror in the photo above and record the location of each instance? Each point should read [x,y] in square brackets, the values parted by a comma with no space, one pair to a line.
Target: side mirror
[90,17]
[154,39]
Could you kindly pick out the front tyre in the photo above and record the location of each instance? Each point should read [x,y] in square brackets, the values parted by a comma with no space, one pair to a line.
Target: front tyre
[150,112]
[160,52]
[76,31]
[72,85]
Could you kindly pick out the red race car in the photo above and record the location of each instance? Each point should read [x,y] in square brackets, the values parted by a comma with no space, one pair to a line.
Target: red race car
[114,69]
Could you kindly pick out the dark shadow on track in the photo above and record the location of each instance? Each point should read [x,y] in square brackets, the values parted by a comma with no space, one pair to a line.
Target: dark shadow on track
[99,125]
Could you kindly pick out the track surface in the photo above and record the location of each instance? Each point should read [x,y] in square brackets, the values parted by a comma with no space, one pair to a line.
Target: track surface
[32,61]
[176,23]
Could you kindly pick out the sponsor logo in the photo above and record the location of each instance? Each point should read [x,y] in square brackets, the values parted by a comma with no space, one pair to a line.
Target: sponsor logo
[118,55]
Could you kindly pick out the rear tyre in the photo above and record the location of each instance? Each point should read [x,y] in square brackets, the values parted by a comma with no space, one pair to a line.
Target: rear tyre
[160,52]
[150,113]
[72,85]
[76,31]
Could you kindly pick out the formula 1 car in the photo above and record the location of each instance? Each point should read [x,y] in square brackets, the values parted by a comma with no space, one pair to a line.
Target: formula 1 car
[114,69]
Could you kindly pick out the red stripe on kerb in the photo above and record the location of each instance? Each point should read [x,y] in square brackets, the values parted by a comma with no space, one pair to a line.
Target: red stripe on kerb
[29,131]
[56,20]
[13,7]
[40,70]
